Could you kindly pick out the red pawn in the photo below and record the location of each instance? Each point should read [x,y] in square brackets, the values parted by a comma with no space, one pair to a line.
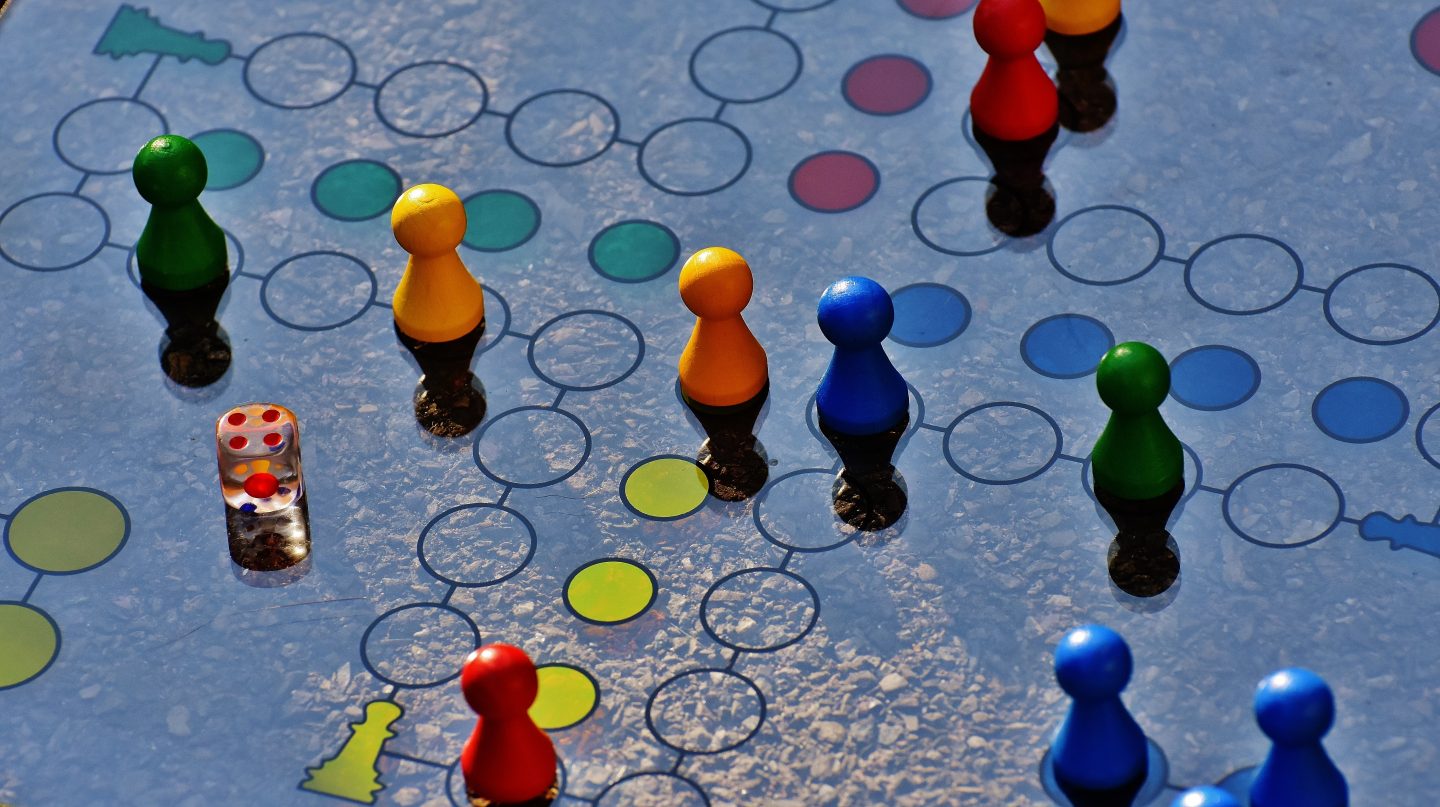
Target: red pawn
[1014,98]
[508,759]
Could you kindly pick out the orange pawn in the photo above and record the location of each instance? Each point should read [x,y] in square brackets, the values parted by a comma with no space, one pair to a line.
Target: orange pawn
[723,365]
[1014,98]
[508,759]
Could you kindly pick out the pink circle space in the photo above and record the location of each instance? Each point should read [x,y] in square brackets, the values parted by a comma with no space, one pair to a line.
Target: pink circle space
[886,85]
[834,181]
[937,9]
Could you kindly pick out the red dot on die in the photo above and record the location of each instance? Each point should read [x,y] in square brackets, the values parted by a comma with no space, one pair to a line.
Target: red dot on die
[261,485]
[236,418]
[270,416]
[272,439]
[238,443]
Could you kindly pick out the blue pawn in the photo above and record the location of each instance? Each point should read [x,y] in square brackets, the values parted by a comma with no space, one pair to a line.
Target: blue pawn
[1205,797]
[862,393]
[1294,708]
[1099,747]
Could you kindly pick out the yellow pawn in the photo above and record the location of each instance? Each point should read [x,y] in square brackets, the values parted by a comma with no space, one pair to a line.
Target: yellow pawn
[437,300]
[722,364]
[1078,17]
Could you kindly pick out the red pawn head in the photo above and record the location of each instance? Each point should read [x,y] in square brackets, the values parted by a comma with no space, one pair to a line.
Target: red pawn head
[508,759]
[1009,29]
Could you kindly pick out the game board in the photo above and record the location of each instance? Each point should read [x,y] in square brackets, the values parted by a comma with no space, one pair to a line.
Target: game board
[1263,209]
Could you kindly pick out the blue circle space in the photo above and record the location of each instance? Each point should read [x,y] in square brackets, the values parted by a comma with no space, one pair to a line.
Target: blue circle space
[1213,377]
[1066,345]
[1360,410]
[928,314]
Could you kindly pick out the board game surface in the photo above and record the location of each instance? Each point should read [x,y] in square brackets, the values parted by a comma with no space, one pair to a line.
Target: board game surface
[1263,208]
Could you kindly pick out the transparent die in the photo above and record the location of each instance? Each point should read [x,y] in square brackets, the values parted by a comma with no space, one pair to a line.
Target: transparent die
[258,445]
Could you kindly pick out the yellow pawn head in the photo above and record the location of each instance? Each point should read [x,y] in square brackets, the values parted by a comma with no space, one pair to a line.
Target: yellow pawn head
[1079,17]
[428,220]
[716,283]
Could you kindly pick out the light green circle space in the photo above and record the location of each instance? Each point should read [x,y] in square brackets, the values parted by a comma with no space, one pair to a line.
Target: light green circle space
[566,697]
[666,487]
[610,591]
[356,190]
[231,158]
[28,643]
[634,251]
[499,220]
[66,531]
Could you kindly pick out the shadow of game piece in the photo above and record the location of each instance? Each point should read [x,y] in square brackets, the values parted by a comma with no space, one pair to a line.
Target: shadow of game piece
[1140,516]
[1087,92]
[736,468]
[449,402]
[270,542]
[1144,565]
[1020,202]
[1123,796]
[194,353]
[871,495]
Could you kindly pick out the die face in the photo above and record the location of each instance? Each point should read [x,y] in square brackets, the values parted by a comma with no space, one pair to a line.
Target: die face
[258,446]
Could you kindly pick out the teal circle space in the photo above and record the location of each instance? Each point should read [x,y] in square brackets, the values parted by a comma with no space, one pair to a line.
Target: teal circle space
[634,251]
[1360,410]
[499,220]
[1066,345]
[232,158]
[928,314]
[356,190]
[1213,377]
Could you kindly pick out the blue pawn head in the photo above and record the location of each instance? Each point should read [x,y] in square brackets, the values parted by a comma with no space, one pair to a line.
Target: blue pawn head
[855,312]
[1294,707]
[1093,662]
[1205,797]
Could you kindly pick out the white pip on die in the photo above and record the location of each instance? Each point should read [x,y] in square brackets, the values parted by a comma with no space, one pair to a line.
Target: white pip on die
[259,449]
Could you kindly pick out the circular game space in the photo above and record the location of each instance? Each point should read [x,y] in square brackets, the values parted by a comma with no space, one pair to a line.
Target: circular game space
[31,238]
[694,157]
[560,128]
[431,99]
[1283,505]
[950,218]
[67,531]
[936,9]
[928,314]
[705,711]
[834,181]
[610,591]
[665,488]
[300,71]
[101,137]
[795,512]
[1105,245]
[634,251]
[29,643]
[415,645]
[745,65]
[652,788]
[500,220]
[566,696]
[356,190]
[1212,378]
[1066,345]
[232,158]
[318,291]
[1002,443]
[1383,304]
[532,446]
[759,610]
[1243,274]
[1360,410]
[586,350]
[475,545]
[889,84]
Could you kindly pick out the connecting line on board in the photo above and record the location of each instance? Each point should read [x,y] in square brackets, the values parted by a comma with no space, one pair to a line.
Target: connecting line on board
[31,590]
[84,177]
[145,79]
[450,592]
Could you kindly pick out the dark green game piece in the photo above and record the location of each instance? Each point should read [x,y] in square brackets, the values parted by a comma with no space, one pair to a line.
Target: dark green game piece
[1137,456]
[181,247]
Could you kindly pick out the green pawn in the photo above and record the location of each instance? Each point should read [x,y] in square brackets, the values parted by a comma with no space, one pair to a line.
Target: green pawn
[1137,456]
[182,259]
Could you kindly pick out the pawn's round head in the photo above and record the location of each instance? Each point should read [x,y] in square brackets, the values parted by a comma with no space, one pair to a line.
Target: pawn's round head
[716,282]
[1133,378]
[1294,706]
[499,680]
[855,312]
[428,220]
[1092,662]
[1205,797]
[1009,28]
[170,171]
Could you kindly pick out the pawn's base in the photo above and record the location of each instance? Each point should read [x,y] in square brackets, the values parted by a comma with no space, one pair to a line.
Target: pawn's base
[542,800]
[736,473]
[1087,99]
[195,362]
[1020,211]
[870,502]
[1144,565]
[453,413]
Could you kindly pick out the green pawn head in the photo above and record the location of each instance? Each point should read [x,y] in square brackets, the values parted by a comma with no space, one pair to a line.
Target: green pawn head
[1133,378]
[170,171]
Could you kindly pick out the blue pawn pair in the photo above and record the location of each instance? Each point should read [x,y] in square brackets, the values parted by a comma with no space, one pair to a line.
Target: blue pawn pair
[1100,748]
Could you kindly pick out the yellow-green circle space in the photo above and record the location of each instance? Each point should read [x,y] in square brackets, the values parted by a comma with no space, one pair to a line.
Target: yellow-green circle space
[29,641]
[610,591]
[67,531]
[567,696]
[665,488]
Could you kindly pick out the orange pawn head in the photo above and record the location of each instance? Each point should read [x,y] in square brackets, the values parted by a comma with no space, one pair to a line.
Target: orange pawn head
[722,364]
